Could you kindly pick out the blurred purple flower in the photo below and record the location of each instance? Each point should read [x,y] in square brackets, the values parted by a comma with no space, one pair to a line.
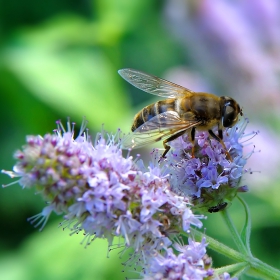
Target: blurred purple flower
[235,44]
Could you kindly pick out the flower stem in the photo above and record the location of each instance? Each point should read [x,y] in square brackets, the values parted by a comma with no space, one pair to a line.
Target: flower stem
[237,268]
[219,247]
[246,231]
[260,268]
[234,233]
[257,267]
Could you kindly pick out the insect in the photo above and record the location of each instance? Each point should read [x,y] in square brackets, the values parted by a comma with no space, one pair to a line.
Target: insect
[184,111]
[217,208]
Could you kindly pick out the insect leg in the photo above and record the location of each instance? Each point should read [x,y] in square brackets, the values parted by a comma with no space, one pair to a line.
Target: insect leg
[215,136]
[192,139]
[220,139]
[220,132]
[173,137]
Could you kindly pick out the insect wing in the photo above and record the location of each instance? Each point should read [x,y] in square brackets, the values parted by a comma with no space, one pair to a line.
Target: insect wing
[152,84]
[158,128]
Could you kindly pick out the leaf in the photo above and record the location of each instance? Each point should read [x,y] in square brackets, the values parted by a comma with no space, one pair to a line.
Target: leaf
[76,82]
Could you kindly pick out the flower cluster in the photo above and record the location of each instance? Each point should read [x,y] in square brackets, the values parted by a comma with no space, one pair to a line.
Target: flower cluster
[101,192]
[210,177]
[191,262]
[105,195]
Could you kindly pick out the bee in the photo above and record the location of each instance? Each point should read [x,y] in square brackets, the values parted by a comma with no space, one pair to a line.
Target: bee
[221,206]
[184,111]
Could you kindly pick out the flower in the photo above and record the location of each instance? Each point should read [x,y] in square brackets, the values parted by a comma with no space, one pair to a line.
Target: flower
[99,191]
[107,195]
[237,41]
[191,262]
[210,178]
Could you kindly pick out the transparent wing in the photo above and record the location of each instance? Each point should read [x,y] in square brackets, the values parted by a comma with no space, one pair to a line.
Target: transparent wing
[152,84]
[156,129]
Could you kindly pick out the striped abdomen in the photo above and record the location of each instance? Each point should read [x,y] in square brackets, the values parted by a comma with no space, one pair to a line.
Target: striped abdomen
[152,110]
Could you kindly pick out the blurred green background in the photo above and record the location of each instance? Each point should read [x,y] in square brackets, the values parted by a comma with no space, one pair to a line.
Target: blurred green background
[60,59]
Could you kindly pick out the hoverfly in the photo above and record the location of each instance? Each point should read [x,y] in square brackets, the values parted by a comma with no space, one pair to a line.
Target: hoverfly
[183,111]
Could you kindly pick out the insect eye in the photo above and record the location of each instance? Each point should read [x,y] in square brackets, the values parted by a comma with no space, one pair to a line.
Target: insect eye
[229,116]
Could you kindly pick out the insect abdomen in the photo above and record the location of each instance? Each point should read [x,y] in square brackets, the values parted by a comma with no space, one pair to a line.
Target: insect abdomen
[148,112]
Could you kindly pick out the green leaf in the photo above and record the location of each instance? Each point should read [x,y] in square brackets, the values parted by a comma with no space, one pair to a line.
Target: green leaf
[76,82]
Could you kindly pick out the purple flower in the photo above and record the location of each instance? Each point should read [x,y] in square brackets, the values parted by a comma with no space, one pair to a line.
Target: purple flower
[226,276]
[210,178]
[189,263]
[100,192]
[237,42]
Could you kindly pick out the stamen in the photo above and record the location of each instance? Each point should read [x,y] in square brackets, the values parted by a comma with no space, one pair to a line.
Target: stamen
[10,184]
[42,217]
[69,125]
[83,126]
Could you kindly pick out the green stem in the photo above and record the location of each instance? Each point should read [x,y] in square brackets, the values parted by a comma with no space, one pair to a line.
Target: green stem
[235,234]
[264,269]
[237,268]
[256,266]
[246,231]
[219,247]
